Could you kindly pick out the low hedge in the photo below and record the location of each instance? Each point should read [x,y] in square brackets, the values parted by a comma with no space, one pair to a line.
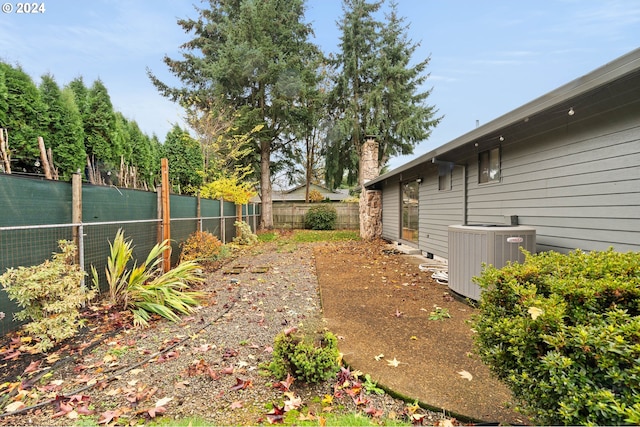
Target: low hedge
[563,332]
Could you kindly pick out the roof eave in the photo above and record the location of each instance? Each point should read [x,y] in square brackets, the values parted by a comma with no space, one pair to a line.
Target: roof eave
[601,76]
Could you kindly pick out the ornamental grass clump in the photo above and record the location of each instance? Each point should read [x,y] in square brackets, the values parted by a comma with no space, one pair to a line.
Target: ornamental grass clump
[563,332]
[145,289]
[51,295]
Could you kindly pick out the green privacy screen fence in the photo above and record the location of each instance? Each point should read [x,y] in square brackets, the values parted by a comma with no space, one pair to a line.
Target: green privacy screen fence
[35,214]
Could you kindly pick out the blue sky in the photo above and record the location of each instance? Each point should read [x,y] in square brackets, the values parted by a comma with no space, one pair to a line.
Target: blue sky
[487,56]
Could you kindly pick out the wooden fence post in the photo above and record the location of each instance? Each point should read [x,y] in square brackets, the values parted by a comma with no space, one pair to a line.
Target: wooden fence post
[76,211]
[166,218]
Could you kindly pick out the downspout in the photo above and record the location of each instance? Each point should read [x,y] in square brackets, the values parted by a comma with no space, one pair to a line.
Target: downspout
[464,193]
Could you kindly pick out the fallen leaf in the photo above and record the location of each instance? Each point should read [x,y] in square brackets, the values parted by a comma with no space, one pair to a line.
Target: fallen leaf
[241,384]
[108,416]
[228,370]
[53,358]
[156,410]
[466,375]
[163,401]
[535,312]
[292,402]
[379,357]
[413,337]
[395,363]
[236,405]
[276,415]
[373,412]
[33,367]
[15,406]
[285,384]
[445,423]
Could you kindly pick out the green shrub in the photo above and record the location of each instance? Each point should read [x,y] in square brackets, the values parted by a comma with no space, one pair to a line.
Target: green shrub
[51,295]
[308,359]
[246,236]
[146,289]
[201,246]
[321,217]
[563,332]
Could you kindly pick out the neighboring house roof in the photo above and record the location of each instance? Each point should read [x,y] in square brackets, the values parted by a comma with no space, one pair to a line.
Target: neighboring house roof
[297,194]
[546,112]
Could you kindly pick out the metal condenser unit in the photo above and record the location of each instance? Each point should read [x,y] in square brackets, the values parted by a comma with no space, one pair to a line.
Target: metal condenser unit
[472,245]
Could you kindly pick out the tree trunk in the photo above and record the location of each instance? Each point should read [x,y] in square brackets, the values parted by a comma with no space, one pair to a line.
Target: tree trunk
[4,150]
[54,170]
[266,218]
[43,157]
[90,174]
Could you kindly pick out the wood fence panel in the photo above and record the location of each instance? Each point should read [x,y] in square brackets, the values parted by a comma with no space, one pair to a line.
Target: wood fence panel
[291,215]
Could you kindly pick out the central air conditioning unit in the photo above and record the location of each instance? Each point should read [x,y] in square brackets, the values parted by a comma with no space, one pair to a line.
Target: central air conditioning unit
[472,245]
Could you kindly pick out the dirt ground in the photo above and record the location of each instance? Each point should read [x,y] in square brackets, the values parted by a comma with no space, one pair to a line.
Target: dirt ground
[380,304]
[208,365]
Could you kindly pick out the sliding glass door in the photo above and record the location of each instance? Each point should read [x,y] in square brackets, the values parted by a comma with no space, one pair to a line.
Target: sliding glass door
[410,210]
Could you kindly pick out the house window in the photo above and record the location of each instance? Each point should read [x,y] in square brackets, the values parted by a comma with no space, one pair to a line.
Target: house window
[489,162]
[444,179]
[410,193]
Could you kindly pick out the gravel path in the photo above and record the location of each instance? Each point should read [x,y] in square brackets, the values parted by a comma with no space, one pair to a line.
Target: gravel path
[207,366]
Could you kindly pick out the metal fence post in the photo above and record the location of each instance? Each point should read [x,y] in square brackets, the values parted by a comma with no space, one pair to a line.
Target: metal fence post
[222,222]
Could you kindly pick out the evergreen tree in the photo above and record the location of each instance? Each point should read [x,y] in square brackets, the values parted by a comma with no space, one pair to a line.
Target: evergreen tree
[4,95]
[62,131]
[141,152]
[185,161]
[120,139]
[81,95]
[100,127]
[403,119]
[24,118]
[377,93]
[252,54]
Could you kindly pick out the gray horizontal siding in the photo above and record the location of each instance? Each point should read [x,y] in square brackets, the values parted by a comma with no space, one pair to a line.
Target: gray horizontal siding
[391,210]
[439,210]
[579,189]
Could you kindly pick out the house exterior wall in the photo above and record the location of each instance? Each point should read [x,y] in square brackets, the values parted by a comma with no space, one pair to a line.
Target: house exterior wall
[438,210]
[391,209]
[579,186]
[569,166]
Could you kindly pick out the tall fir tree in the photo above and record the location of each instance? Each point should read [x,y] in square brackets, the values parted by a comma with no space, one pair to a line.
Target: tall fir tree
[252,54]
[403,117]
[377,92]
